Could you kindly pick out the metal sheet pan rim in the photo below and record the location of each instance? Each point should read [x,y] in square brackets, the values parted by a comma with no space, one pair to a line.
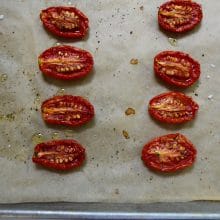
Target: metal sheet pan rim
[190,210]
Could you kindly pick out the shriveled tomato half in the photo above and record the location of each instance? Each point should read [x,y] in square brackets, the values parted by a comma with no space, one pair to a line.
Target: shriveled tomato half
[173,107]
[176,68]
[65,62]
[59,154]
[67,22]
[179,16]
[169,153]
[67,110]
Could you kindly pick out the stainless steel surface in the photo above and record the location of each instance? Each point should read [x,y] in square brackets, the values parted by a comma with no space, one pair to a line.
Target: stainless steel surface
[191,210]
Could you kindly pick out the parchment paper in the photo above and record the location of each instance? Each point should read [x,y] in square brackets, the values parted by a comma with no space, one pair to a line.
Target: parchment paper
[114,172]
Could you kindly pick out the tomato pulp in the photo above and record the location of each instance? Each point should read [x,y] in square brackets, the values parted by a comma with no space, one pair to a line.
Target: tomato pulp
[176,68]
[65,62]
[173,107]
[169,153]
[67,110]
[179,16]
[59,154]
[67,22]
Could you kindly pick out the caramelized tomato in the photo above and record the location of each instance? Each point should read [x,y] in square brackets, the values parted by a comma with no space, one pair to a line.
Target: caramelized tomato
[67,110]
[59,154]
[169,153]
[176,68]
[179,16]
[67,22]
[173,107]
[65,62]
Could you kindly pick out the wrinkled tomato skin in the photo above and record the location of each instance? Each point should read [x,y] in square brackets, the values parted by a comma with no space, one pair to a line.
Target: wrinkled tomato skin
[50,23]
[190,73]
[67,110]
[193,13]
[169,153]
[65,62]
[53,155]
[185,109]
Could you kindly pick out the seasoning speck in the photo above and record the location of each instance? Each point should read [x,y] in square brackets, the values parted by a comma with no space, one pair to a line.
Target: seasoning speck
[210,97]
[142,8]
[134,61]
[130,111]
[207,77]
[212,65]
[55,136]
[2,17]
[125,134]
[10,117]
[3,77]
[60,91]
[37,138]
[116,191]
[172,41]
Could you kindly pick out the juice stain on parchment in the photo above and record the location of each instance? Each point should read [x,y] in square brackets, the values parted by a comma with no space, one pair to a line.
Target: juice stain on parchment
[14,152]
[37,138]
[12,149]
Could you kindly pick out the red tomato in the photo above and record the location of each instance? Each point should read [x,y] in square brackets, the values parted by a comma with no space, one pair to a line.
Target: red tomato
[67,22]
[67,110]
[65,62]
[173,107]
[179,16]
[169,153]
[176,68]
[59,154]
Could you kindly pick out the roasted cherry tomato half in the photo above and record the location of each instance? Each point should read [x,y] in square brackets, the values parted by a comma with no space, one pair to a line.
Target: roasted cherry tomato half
[59,154]
[67,110]
[67,22]
[65,62]
[179,16]
[169,153]
[176,68]
[173,107]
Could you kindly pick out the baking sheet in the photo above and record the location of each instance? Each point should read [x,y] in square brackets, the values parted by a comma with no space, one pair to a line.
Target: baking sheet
[119,31]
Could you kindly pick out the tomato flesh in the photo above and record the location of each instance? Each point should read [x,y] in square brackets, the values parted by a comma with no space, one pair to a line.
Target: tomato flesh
[173,107]
[176,68]
[67,110]
[59,154]
[65,62]
[67,22]
[179,16]
[169,153]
